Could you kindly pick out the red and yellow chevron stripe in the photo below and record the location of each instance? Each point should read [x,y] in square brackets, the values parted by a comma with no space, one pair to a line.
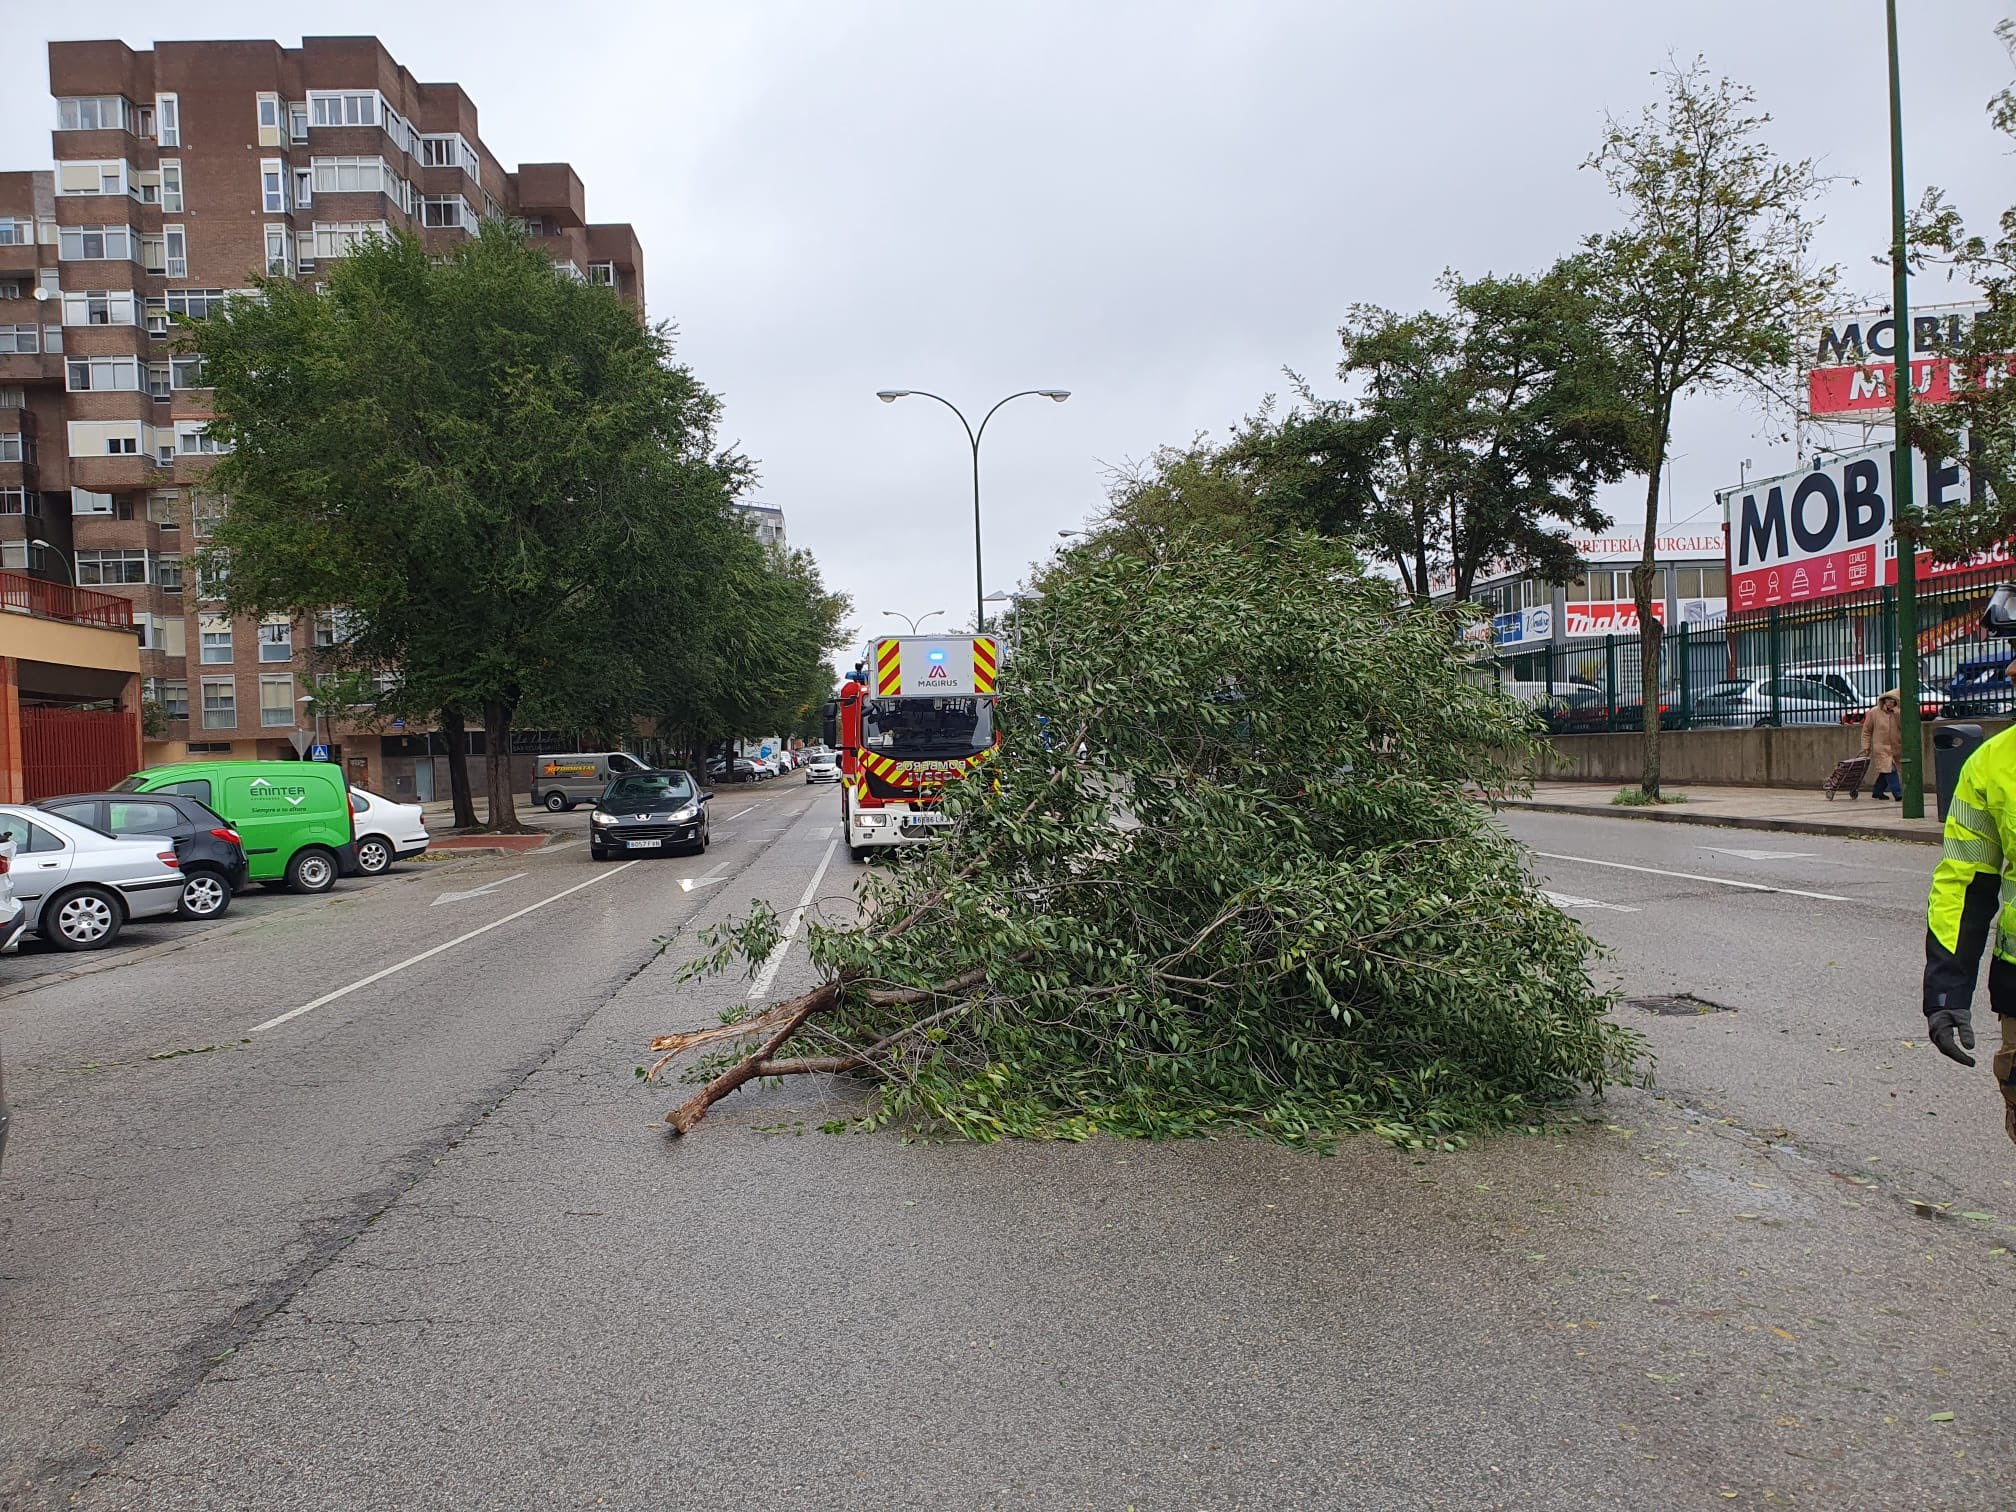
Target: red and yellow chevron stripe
[984,658]
[889,668]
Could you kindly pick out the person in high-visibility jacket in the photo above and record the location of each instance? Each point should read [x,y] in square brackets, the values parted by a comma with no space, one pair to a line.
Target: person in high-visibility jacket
[1969,902]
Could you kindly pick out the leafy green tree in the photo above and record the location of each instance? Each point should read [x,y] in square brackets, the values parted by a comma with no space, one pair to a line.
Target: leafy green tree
[1980,421]
[498,470]
[1224,872]
[1709,285]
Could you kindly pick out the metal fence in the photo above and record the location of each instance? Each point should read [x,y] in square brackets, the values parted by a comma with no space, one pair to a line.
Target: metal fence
[1822,662]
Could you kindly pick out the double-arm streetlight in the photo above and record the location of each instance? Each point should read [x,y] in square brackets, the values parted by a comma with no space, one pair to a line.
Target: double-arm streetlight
[912,622]
[973,435]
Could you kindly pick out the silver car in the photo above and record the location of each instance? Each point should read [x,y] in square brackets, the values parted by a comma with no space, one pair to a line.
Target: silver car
[1745,701]
[77,886]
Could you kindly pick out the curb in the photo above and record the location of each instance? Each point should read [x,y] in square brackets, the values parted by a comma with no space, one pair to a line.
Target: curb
[1731,821]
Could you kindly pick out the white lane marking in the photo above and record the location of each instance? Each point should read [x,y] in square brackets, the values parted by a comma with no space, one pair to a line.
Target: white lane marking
[1569,900]
[776,959]
[824,831]
[707,878]
[475,892]
[1760,855]
[749,810]
[1791,892]
[415,960]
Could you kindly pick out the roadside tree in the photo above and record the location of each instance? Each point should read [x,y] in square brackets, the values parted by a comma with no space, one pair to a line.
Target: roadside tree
[1709,285]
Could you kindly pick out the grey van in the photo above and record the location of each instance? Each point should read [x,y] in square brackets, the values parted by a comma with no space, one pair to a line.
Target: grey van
[560,782]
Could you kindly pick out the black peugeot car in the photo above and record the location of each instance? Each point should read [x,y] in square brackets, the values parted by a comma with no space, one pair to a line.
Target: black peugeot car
[212,855]
[657,810]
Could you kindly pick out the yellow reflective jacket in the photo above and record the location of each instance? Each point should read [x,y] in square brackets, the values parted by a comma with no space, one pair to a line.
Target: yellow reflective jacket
[1969,898]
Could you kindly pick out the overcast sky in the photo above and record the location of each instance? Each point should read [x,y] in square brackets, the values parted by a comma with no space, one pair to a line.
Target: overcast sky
[1155,205]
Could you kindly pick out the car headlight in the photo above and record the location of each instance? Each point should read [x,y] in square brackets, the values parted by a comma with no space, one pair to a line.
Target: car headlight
[598,817]
[691,811]
[868,821]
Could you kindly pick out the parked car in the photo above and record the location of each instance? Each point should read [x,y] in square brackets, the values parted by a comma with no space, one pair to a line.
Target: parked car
[13,916]
[649,811]
[80,886]
[1740,702]
[741,769]
[387,830]
[293,816]
[1864,681]
[1980,689]
[824,767]
[214,868]
[560,782]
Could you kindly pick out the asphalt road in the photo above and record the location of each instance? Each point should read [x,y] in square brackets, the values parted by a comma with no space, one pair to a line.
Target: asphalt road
[423,1245]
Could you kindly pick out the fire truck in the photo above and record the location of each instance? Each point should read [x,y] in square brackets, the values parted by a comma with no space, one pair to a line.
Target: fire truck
[916,712]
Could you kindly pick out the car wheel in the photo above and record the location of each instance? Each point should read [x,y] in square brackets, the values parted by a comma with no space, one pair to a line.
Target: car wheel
[85,918]
[206,895]
[374,855]
[556,803]
[596,853]
[311,870]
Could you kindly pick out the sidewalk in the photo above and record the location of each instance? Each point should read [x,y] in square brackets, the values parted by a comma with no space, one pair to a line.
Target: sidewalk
[1785,810]
[440,820]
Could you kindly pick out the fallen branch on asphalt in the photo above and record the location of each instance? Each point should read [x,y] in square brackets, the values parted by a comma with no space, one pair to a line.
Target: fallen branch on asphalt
[1251,893]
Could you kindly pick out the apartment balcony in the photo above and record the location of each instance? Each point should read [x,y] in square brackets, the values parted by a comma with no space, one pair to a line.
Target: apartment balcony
[20,258]
[31,367]
[551,192]
[115,474]
[22,594]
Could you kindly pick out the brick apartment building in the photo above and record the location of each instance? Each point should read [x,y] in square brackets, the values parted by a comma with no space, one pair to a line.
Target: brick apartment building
[178,175]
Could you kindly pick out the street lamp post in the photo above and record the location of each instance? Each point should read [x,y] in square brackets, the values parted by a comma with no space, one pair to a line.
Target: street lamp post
[310,698]
[1913,803]
[69,574]
[913,623]
[973,435]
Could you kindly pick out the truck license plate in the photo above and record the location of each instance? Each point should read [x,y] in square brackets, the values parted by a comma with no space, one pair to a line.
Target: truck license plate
[643,844]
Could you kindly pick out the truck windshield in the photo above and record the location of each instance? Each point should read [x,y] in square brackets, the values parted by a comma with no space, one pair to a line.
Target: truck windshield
[914,728]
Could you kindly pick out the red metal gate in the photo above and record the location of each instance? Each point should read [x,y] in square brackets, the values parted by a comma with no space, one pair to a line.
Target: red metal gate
[76,750]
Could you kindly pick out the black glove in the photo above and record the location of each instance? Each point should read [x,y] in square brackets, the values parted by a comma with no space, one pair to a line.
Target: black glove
[1953,1033]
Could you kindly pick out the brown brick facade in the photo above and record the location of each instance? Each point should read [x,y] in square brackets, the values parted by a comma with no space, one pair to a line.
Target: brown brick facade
[237,107]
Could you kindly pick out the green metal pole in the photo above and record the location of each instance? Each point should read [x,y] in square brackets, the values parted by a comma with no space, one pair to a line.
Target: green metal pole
[1903,465]
[1776,652]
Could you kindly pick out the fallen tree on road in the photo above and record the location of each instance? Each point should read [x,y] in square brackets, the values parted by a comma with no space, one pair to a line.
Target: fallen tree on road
[1223,874]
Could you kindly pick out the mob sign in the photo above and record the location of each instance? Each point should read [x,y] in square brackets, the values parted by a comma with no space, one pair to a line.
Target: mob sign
[1808,535]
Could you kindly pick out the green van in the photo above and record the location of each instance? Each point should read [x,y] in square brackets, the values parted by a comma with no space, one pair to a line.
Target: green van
[293,816]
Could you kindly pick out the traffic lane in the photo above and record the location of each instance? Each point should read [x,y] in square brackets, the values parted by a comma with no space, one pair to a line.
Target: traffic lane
[1819,1040]
[1664,1311]
[152,1210]
[37,960]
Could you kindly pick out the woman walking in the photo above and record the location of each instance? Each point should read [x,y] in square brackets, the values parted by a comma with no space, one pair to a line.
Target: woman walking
[1883,744]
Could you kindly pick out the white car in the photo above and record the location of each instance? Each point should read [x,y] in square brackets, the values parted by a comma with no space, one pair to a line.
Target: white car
[825,767]
[387,831]
[13,917]
[79,887]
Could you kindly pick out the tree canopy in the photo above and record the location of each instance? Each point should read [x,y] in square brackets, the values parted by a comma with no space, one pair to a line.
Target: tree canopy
[503,477]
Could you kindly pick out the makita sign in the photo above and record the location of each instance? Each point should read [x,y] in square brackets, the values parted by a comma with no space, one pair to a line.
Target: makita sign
[1827,530]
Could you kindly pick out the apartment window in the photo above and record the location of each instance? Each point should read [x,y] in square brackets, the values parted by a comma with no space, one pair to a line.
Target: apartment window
[159,384]
[195,304]
[351,175]
[276,702]
[91,113]
[205,511]
[336,108]
[111,568]
[20,338]
[304,188]
[168,120]
[213,574]
[279,252]
[101,374]
[97,307]
[214,638]
[17,233]
[13,398]
[187,373]
[154,315]
[164,508]
[276,640]
[332,628]
[171,185]
[175,698]
[86,501]
[122,446]
[10,288]
[603,273]
[534,226]
[297,123]
[107,176]
[15,447]
[193,439]
[13,501]
[177,242]
[447,210]
[143,120]
[95,243]
[168,574]
[269,120]
[220,703]
[273,185]
[341,238]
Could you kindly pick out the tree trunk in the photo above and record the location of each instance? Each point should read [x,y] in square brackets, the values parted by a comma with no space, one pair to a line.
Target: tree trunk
[1650,627]
[456,730]
[497,716]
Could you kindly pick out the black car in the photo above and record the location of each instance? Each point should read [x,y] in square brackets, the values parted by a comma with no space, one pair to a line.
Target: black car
[212,855]
[658,810]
